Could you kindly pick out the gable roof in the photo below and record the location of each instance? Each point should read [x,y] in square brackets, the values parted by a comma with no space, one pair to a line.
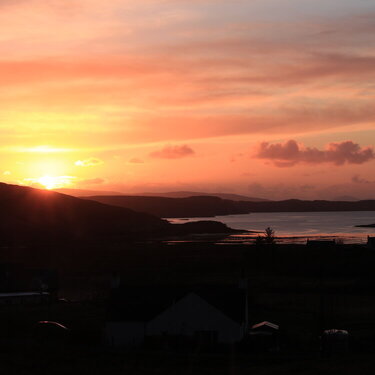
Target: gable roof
[142,304]
[264,325]
[335,332]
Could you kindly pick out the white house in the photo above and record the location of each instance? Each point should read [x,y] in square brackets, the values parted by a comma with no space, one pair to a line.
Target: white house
[215,315]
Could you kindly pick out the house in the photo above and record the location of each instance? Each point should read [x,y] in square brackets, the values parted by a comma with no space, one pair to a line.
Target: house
[264,328]
[371,242]
[264,337]
[163,315]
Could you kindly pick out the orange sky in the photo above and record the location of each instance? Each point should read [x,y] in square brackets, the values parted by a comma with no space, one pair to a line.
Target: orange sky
[269,98]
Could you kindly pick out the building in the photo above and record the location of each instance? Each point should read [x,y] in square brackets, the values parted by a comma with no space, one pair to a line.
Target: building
[264,337]
[165,316]
[371,242]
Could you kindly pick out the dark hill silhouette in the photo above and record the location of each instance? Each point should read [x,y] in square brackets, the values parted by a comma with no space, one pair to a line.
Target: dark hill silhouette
[29,214]
[205,206]
[34,213]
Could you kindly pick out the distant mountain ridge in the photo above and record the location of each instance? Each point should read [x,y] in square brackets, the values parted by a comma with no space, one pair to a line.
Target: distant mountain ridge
[187,194]
[296,205]
[84,193]
[173,194]
[164,207]
[207,206]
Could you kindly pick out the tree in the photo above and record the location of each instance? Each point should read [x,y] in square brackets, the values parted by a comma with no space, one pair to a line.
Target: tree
[269,235]
[267,238]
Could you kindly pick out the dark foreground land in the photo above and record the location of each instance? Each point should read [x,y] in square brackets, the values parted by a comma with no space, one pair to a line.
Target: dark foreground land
[84,361]
[303,289]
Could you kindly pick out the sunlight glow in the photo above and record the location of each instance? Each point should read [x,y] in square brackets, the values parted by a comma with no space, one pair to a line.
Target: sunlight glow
[51,182]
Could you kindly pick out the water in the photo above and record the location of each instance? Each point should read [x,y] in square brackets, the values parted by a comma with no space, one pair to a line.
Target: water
[296,227]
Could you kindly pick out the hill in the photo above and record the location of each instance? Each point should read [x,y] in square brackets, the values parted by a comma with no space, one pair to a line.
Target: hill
[173,194]
[187,194]
[28,213]
[204,206]
[34,215]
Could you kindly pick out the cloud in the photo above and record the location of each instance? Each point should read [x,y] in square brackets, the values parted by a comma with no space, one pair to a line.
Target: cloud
[173,152]
[357,179]
[91,162]
[135,161]
[233,70]
[291,153]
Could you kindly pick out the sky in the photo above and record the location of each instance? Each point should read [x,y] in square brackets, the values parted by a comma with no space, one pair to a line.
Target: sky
[267,98]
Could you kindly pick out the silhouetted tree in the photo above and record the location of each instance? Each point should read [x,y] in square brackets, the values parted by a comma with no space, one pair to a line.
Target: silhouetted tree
[269,235]
[267,238]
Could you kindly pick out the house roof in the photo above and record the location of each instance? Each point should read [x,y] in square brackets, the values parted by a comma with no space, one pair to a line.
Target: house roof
[23,294]
[265,324]
[335,332]
[144,303]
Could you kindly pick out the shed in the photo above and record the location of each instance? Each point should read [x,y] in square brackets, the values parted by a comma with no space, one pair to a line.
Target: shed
[264,337]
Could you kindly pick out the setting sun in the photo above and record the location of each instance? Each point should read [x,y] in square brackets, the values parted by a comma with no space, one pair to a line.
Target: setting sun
[51,182]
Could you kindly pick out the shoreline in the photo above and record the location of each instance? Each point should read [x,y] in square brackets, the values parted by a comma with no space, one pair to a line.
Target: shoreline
[249,238]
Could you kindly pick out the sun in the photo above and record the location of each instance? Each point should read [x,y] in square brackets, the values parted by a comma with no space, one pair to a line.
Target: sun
[54,182]
[48,182]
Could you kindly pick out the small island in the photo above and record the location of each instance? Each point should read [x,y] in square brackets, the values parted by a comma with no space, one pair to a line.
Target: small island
[206,227]
[366,226]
